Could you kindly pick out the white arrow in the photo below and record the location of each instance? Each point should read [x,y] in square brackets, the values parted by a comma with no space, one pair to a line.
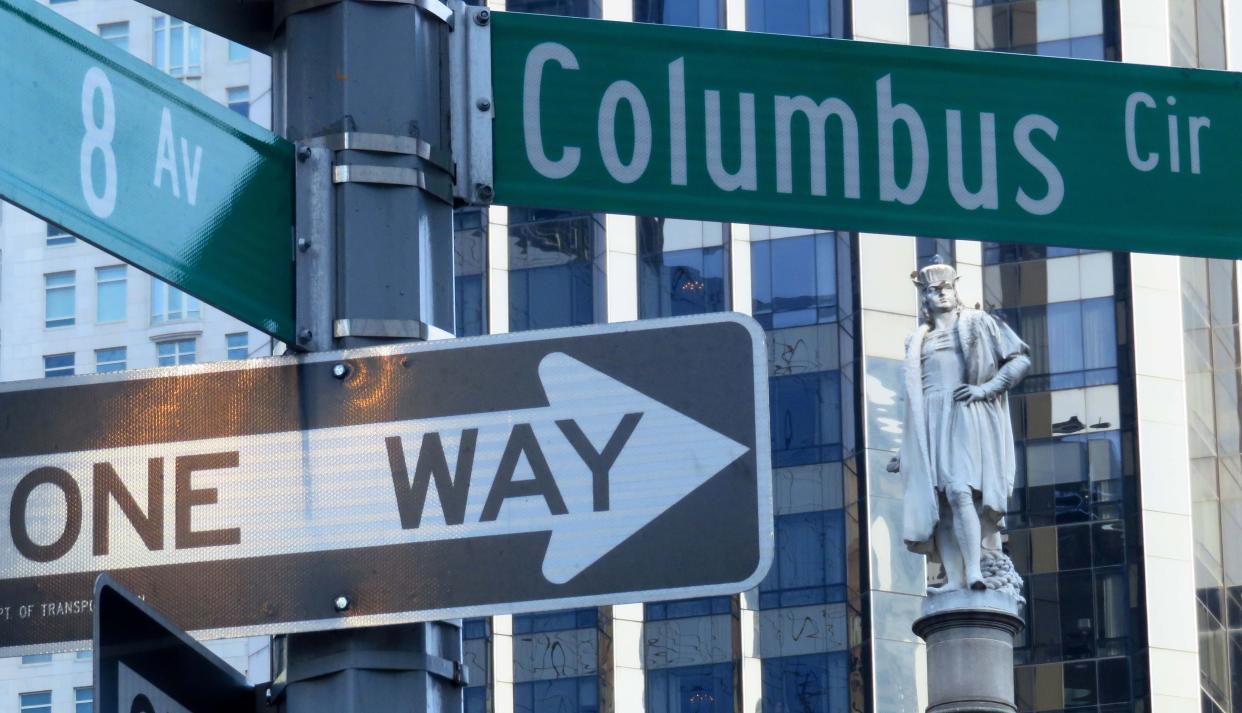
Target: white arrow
[594,466]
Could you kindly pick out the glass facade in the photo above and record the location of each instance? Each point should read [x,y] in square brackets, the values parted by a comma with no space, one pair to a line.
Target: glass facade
[1085,29]
[470,271]
[1210,324]
[554,268]
[1073,518]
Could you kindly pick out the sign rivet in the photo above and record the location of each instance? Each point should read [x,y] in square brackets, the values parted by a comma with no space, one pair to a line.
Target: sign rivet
[483,17]
[340,371]
[483,104]
[303,244]
[484,192]
[304,335]
[341,603]
[304,153]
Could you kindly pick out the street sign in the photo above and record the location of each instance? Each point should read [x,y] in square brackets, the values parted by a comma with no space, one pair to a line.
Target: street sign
[730,126]
[521,472]
[145,664]
[144,167]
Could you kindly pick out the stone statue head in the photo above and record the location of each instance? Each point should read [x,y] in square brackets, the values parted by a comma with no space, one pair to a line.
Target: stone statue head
[937,285]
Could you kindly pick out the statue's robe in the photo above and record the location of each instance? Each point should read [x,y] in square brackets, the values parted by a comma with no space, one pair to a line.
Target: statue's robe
[986,343]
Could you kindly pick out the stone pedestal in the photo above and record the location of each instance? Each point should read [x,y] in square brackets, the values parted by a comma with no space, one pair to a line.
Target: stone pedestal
[969,637]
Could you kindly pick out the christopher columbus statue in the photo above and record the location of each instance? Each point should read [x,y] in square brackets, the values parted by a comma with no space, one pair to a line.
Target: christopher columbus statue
[957,453]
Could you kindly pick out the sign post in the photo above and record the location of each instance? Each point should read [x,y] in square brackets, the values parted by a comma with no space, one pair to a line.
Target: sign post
[144,167]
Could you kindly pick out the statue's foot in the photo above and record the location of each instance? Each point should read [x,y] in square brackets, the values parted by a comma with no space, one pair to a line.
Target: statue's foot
[976,581]
[945,588]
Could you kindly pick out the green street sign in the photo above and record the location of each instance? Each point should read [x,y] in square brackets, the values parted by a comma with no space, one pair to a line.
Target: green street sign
[142,166]
[766,129]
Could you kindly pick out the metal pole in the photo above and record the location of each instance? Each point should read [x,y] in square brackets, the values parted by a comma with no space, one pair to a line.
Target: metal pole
[361,87]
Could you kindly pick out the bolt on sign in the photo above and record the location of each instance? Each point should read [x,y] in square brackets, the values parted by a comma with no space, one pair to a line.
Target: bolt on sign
[144,167]
[550,469]
[731,126]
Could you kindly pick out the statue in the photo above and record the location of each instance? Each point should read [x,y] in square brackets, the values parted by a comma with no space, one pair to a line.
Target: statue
[957,453]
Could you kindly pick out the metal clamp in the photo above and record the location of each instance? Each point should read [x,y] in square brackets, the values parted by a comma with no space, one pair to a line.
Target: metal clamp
[380,328]
[435,8]
[394,176]
[386,143]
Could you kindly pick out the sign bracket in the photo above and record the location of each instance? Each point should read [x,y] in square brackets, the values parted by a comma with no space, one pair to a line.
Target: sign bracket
[471,104]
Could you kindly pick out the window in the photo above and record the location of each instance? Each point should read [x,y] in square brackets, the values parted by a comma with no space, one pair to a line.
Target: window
[175,351]
[85,655]
[168,304]
[56,235]
[111,359]
[688,13]
[809,566]
[58,299]
[239,100]
[815,18]
[110,293]
[815,682]
[929,23]
[36,658]
[559,695]
[552,268]
[178,47]
[83,700]
[117,33]
[40,702]
[794,280]
[681,267]
[806,418]
[691,689]
[238,52]
[470,270]
[57,365]
[238,345]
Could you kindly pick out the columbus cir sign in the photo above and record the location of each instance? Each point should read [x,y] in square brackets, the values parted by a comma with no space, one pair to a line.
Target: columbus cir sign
[718,125]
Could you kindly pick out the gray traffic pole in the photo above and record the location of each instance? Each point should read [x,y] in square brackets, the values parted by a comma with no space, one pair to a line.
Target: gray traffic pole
[361,88]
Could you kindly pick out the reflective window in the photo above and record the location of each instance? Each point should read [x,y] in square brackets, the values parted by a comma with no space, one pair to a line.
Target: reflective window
[470,254]
[57,365]
[805,412]
[561,695]
[815,682]
[816,18]
[929,22]
[238,52]
[552,279]
[1073,344]
[111,359]
[36,658]
[169,304]
[1085,28]
[59,299]
[177,47]
[691,689]
[176,351]
[681,267]
[110,293]
[83,700]
[809,566]
[1197,33]
[117,33]
[555,621]
[568,8]
[238,99]
[238,345]
[794,280]
[40,702]
[689,13]
[685,608]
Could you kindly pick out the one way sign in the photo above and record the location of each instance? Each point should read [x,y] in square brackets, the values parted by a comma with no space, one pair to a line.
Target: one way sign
[503,474]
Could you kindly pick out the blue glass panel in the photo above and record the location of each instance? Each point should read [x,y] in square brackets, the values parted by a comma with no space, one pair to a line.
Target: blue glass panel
[794,290]
[761,278]
[682,282]
[1099,333]
[690,13]
[555,621]
[691,689]
[1065,337]
[555,296]
[471,306]
[809,567]
[475,699]
[805,418]
[815,683]
[1091,47]
[688,608]
[561,695]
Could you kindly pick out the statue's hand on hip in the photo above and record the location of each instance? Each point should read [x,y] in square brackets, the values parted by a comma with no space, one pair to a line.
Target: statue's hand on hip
[969,393]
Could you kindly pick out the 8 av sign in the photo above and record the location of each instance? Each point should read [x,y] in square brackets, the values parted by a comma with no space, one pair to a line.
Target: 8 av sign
[144,167]
[716,125]
[560,468]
